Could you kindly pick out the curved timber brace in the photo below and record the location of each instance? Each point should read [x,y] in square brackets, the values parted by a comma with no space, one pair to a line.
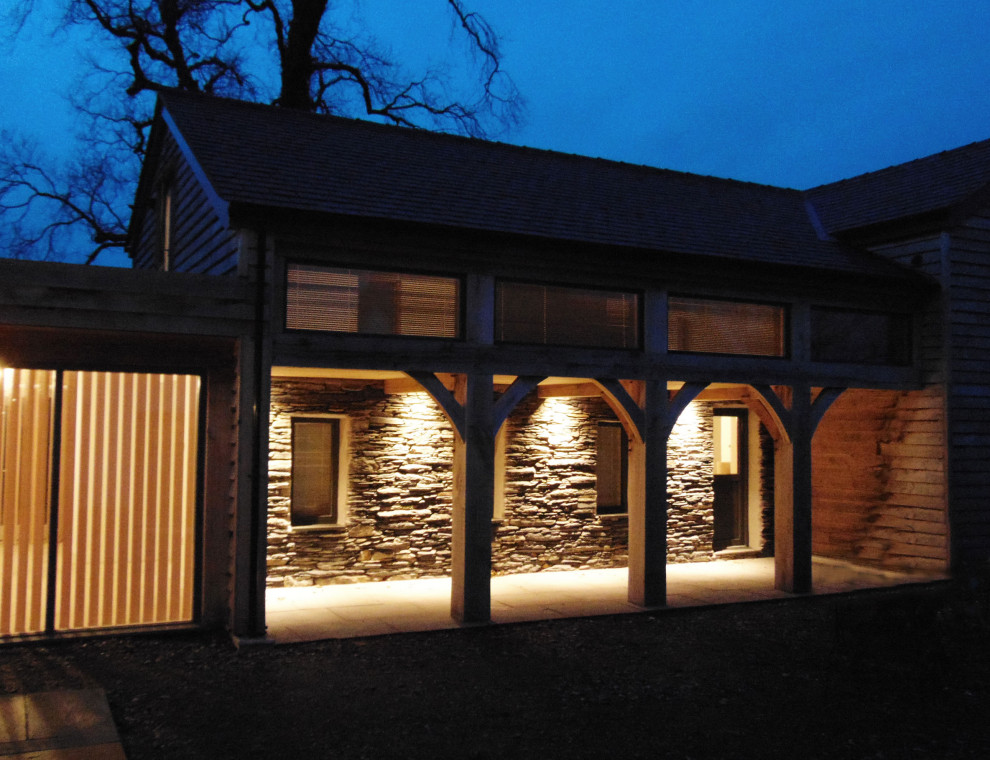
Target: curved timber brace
[786,417]
[649,413]
[476,416]
[444,398]
[792,480]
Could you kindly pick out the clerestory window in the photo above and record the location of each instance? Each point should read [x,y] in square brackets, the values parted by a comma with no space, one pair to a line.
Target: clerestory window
[860,337]
[372,302]
[565,316]
[710,326]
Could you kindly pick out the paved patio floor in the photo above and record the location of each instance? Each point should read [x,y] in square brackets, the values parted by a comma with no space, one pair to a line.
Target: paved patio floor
[371,609]
[58,725]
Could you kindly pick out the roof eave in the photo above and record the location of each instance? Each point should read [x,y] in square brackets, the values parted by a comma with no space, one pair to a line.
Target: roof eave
[142,194]
[892,230]
[220,206]
[254,216]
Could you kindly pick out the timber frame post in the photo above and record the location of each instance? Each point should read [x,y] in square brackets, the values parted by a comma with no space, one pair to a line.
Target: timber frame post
[793,481]
[474,500]
[792,499]
[649,414]
[476,416]
[254,401]
[648,501]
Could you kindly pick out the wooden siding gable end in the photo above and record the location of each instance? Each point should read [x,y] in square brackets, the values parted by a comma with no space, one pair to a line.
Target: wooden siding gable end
[201,240]
[219,205]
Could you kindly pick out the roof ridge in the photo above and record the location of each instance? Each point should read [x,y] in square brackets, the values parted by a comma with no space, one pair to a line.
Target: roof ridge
[423,133]
[905,165]
[264,159]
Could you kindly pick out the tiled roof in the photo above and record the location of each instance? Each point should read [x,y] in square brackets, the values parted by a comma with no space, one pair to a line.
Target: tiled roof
[927,184]
[279,158]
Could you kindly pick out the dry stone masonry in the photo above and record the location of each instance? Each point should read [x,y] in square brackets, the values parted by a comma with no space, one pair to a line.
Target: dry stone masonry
[396,522]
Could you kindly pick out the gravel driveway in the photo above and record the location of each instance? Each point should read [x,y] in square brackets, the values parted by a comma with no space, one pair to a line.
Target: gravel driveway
[884,674]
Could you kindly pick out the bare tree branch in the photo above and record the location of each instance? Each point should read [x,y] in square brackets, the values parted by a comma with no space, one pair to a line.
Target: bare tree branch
[43,209]
[300,53]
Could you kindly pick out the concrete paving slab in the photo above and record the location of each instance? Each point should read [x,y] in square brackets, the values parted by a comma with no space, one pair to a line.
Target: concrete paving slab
[58,725]
[13,719]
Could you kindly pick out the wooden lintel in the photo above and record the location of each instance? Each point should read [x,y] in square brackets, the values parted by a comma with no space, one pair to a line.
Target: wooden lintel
[573,390]
[311,348]
[400,385]
[741,393]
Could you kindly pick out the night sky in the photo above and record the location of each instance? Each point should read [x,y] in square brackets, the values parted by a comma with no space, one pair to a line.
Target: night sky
[793,92]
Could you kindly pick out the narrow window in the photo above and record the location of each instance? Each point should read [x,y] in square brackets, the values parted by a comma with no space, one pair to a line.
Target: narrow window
[498,511]
[315,471]
[565,316]
[371,302]
[166,204]
[612,468]
[726,327]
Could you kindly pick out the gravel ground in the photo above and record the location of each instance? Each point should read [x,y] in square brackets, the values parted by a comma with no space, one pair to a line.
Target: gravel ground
[884,674]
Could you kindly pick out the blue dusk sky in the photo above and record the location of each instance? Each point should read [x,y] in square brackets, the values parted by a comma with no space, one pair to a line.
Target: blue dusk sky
[785,92]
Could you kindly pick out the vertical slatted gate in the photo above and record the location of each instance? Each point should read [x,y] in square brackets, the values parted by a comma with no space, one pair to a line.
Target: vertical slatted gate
[125,446]
[25,454]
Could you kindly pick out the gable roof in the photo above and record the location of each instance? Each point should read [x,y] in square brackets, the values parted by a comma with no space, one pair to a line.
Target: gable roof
[925,185]
[262,157]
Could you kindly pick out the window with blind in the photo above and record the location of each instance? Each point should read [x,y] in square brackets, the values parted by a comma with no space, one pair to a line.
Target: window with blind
[315,471]
[860,337]
[372,302]
[726,327]
[611,469]
[564,316]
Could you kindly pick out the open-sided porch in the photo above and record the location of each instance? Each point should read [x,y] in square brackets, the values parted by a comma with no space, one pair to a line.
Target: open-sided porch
[873,509]
[313,613]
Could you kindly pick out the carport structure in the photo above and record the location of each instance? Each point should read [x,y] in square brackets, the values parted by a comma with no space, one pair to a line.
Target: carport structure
[119,402]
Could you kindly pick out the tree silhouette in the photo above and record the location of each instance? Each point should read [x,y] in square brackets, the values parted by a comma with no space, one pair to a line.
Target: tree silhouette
[304,54]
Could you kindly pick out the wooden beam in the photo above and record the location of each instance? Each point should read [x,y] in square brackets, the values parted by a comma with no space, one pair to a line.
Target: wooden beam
[63,348]
[740,393]
[569,390]
[678,403]
[74,296]
[403,385]
[348,351]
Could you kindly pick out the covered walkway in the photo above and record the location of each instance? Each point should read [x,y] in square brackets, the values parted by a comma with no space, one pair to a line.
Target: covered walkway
[370,609]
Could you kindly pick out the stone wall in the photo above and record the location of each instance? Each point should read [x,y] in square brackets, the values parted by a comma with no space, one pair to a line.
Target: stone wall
[396,521]
[549,521]
[397,513]
[690,486]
